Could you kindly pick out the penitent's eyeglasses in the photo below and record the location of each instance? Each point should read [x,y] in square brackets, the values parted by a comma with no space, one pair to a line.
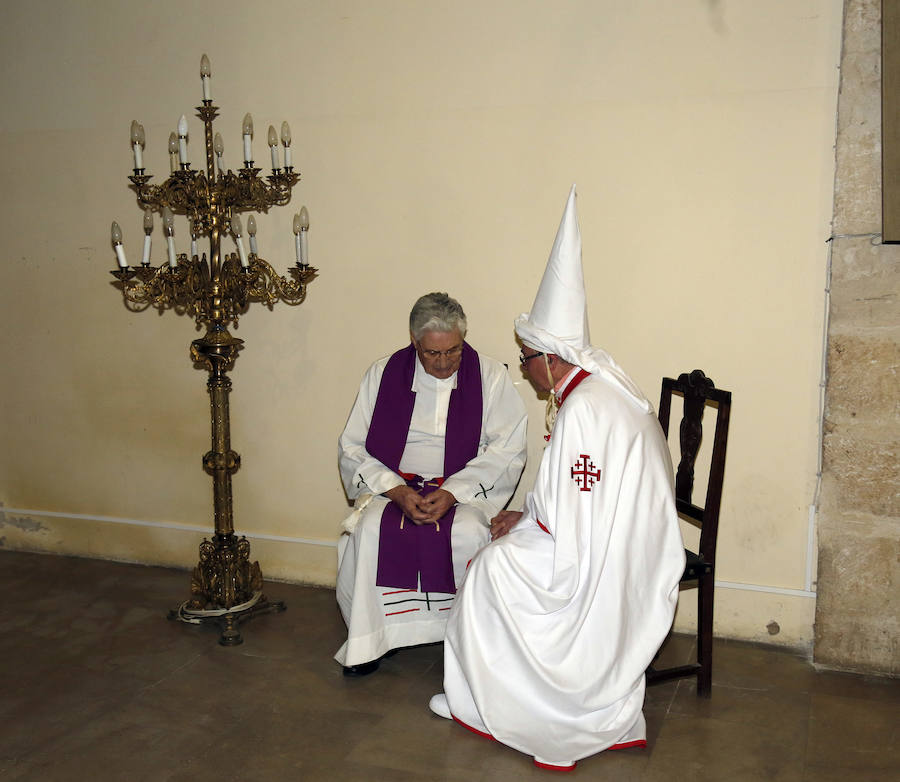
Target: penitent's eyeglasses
[523,359]
[452,353]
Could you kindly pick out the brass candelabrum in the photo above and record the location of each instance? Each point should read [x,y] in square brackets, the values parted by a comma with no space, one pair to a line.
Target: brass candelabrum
[226,587]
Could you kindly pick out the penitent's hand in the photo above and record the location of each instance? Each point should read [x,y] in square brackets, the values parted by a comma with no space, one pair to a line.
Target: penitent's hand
[437,504]
[410,502]
[503,522]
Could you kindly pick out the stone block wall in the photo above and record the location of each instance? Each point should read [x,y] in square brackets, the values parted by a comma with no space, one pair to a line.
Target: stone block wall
[858,602]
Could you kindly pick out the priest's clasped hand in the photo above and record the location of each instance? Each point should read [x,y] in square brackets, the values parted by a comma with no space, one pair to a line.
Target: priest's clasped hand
[437,504]
[419,509]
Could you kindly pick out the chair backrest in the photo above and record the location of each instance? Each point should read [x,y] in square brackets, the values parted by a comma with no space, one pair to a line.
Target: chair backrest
[698,392]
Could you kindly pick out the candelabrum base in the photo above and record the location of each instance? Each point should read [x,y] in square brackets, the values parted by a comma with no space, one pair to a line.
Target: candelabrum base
[226,588]
[228,621]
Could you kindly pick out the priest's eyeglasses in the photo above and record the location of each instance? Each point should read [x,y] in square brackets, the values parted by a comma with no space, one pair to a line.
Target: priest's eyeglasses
[452,353]
[523,359]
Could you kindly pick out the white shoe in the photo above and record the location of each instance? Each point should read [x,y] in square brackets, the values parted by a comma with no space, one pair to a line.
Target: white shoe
[438,704]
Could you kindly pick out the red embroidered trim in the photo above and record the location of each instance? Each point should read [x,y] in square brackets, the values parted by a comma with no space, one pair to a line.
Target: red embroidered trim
[542,526]
[474,730]
[408,476]
[398,592]
[627,744]
[551,767]
[579,376]
[407,611]
[582,374]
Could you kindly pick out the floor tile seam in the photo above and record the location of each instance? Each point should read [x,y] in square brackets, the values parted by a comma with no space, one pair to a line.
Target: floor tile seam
[672,698]
[153,685]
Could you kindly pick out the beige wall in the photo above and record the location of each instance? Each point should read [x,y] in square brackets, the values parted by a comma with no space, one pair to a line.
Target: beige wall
[437,142]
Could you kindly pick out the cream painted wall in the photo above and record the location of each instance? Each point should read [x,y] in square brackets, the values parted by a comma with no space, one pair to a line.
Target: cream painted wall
[437,142]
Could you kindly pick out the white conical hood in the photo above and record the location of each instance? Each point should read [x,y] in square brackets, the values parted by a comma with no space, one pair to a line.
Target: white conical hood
[560,307]
[558,321]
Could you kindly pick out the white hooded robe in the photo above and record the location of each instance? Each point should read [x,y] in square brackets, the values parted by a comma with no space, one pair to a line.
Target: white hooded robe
[551,633]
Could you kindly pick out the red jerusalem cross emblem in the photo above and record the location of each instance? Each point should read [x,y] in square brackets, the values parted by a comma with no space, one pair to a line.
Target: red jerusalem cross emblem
[584,474]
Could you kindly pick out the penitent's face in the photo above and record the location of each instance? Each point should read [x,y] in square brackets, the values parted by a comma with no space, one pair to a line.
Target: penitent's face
[440,352]
[535,368]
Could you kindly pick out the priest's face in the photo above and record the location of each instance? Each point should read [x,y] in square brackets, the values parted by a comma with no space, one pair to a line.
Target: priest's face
[440,352]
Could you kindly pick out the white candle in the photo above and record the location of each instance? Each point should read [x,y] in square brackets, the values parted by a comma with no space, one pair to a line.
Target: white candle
[304,241]
[204,77]
[173,152]
[182,140]
[286,140]
[272,138]
[193,246]
[251,232]
[237,230]
[137,143]
[169,230]
[148,229]
[170,247]
[117,245]
[241,252]
[219,147]
[297,238]
[247,130]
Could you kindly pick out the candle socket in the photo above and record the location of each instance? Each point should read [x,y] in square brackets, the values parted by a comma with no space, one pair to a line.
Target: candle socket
[185,166]
[139,172]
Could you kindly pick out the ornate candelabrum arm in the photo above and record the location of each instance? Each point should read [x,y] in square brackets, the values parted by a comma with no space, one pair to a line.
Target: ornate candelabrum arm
[264,284]
[189,287]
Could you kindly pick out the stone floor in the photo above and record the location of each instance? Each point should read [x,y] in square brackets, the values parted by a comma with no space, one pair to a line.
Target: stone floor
[96,685]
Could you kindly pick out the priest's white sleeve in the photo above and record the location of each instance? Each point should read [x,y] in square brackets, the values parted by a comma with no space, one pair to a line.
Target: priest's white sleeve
[361,472]
[490,479]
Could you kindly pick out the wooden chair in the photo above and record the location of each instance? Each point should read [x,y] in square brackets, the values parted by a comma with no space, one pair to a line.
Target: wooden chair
[698,392]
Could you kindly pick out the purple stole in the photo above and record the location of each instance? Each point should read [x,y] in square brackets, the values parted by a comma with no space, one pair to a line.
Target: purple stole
[412,553]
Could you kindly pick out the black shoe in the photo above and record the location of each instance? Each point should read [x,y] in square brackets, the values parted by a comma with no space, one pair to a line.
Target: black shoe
[363,669]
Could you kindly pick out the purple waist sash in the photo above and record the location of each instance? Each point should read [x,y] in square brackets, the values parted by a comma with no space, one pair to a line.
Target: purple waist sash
[414,553]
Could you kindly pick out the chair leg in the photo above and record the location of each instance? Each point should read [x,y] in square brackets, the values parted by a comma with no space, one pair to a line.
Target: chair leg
[705,594]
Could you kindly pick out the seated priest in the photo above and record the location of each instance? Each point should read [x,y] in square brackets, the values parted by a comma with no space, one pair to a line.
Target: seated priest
[433,449]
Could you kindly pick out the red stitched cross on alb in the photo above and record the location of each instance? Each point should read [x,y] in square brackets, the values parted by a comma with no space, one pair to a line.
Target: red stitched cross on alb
[584,473]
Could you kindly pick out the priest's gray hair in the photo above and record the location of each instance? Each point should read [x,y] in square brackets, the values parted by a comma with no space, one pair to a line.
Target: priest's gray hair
[436,312]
